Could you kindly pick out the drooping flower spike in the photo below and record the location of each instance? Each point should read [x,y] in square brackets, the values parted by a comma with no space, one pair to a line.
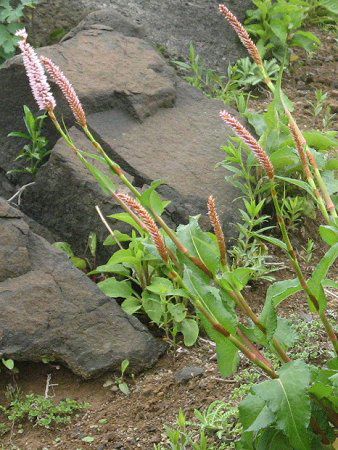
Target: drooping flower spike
[216,224]
[36,75]
[242,34]
[244,134]
[67,89]
[148,222]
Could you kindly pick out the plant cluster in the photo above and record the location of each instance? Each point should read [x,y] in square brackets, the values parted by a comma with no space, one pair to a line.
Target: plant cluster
[278,25]
[241,77]
[36,150]
[215,428]
[297,406]
[41,411]
[11,15]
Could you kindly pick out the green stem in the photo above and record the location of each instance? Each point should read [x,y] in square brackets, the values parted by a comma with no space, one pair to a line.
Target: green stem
[327,204]
[252,356]
[294,261]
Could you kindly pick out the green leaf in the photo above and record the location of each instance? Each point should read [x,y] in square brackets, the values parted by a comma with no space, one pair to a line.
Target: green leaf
[118,237]
[125,217]
[124,365]
[79,263]
[271,240]
[320,273]
[92,243]
[105,181]
[119,269]
[150,199]
[287,398]
[272,439]
[211,300]
[65,247]
[116,289]
[306,40]
[189,328]
[124,388]
[8,363]
[329,234]
[152,306]
[124,256]
[330,5]
[322,141]
[160,286]
[254,414]
[276,294]
[237,279]
[131,305]
[200,243]
[285,333]
[283,158]
[177,311]
[301,184]
[88,439]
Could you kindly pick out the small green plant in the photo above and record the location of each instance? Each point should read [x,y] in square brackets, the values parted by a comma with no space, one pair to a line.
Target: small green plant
[293,210]
[41,411]
[319,102]
[11,15]
[120,381]
[217,426]
[246,73]
[36,150]
[241,76]
[308,250]
[83,263]
[8,363]
[278,26]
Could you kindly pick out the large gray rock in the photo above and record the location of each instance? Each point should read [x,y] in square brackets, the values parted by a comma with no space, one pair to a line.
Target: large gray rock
[180,145]
[64,197]
[170,24]
[49,308]
[107,69]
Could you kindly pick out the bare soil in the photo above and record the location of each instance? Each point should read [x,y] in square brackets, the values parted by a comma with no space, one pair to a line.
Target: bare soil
[137,420]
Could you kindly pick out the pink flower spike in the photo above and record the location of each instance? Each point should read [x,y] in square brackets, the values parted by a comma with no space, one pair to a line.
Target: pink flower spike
[244,134]
[36,75]
[67,89]
[22,34]
[242,34]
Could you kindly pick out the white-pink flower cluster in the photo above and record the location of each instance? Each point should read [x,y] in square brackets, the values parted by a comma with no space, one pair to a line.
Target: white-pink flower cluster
[67,89]
[36,75]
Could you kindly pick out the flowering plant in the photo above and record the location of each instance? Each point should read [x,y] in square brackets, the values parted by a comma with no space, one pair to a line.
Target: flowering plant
[297,407]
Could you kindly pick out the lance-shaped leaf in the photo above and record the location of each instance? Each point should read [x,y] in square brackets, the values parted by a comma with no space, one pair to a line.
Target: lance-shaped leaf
[105,181]
[276,294]
[200,243]
[319,274]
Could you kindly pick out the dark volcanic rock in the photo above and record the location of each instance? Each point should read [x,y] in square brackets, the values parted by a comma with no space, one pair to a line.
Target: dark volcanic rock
[49,308]
[179,145]
[107,69]
[170,24]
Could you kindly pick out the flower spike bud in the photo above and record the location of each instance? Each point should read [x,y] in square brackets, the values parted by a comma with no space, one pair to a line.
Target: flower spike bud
[242,34]
[148,222]
[216,224]
[67,89]
[244,134]
[35,73]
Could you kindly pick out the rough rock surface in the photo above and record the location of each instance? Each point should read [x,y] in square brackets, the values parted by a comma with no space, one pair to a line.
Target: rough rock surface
[170,24]
[64,197]
[107,70]
[180,145]
[49,308]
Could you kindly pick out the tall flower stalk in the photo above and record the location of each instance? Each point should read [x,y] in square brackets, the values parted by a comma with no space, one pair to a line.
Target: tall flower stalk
[322,195]
[266,164]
